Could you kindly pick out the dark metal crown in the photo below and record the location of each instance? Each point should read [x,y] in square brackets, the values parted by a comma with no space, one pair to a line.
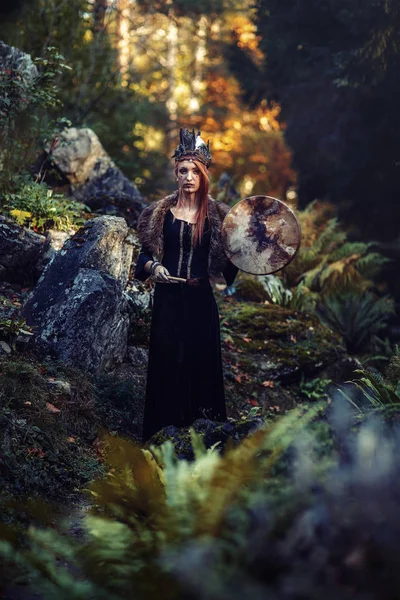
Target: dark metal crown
[192,146]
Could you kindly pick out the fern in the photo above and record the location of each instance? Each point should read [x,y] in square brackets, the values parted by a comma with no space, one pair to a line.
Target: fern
[151,504]
[326,261]
[355,317]
[379,393]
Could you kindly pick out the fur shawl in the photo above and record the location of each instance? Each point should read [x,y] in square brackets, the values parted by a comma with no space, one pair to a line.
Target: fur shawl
[151,223]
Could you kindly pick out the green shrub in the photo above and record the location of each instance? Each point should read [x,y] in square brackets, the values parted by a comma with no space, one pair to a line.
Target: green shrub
[356,317]
[34,205]
[24,117]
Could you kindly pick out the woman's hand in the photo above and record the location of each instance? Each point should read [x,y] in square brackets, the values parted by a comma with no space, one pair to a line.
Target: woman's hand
[161,274]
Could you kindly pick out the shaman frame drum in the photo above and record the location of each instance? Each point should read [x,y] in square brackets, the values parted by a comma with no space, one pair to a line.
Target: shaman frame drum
[261,235]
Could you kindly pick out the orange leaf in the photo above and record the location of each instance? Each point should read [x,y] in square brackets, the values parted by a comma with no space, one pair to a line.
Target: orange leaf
[293,339]
[71,440]
[253,402]
[238,378]
[51,408]
[245,339]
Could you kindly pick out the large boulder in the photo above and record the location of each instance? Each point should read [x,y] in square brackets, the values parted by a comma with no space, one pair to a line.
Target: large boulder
[78,306]
[20,250]
[94,178]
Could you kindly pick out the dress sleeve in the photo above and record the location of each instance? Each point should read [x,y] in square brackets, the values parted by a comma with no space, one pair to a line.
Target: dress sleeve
[144,256]
[230,273]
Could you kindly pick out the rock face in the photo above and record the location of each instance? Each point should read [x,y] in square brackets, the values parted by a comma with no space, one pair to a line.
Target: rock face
[78,305]
[20,249]
[94,178]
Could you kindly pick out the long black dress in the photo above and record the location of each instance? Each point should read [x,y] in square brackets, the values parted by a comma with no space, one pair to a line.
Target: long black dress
[184,378]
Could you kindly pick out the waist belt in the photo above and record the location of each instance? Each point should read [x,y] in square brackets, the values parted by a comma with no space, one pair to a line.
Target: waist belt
[195,281]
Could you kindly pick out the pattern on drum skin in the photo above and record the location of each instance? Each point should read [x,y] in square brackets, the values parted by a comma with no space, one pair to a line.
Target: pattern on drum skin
[261,235]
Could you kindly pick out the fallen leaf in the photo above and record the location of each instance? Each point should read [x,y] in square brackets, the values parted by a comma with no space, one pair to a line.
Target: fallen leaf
[238,378]
[71,440]
[246,339]
[253,402]
[269,384]
[51,408]
[293,339]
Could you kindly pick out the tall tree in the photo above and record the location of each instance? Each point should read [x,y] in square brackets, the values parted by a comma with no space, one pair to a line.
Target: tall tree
[334,67]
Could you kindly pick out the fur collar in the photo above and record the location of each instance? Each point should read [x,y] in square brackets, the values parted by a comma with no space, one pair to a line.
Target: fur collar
[151,223]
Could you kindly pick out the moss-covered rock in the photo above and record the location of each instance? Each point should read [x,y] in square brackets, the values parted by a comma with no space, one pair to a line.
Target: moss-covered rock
[249,289]
[210,431]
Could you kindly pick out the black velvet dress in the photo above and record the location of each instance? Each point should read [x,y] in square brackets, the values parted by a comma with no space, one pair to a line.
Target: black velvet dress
[184,379]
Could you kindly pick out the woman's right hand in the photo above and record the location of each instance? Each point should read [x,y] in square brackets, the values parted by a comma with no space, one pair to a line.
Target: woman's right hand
[161,274]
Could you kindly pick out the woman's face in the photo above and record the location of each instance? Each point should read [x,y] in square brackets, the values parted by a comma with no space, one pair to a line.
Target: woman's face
[188,177]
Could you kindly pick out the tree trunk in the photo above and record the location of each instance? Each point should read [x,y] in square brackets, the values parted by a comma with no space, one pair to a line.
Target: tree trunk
[171,104]
[99,14]
[123,32]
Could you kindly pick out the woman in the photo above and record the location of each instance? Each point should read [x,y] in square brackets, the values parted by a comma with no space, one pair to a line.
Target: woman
[181,237]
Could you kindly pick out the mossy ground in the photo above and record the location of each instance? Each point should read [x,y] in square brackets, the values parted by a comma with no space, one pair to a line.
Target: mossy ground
[46,434]
[52,418]
[267,352]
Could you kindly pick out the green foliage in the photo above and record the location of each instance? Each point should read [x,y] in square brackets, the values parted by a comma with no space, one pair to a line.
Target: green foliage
[314,389]
[24,116]
[152,505]
[379,392]
[357,317]
[326,261]
[12,327]
[34,205]
[333,67]
[299,298]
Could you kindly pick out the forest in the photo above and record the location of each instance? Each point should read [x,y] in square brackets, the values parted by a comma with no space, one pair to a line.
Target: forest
[295,495]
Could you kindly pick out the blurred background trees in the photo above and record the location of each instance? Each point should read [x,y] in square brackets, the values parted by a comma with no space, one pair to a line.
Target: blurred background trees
[141,69]
[334,68]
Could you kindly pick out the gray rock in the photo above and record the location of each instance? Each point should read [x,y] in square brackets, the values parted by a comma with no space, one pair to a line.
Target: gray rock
[94,178]
[4,348]
[53,244]
[20,250]
[58,386]
[78,305]
[138,357]
[88,327]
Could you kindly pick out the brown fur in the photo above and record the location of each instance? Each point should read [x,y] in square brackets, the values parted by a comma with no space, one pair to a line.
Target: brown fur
[151,222]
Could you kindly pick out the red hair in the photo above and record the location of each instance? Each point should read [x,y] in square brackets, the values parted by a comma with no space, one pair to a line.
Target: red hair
[202,211]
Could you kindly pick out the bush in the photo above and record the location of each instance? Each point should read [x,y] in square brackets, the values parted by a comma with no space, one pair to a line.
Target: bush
[34,205]
[357,318]
[272,518]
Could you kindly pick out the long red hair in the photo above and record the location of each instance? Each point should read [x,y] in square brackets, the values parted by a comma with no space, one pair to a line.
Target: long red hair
[202,211]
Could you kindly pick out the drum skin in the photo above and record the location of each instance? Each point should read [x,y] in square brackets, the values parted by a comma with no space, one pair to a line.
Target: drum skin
[261,235]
